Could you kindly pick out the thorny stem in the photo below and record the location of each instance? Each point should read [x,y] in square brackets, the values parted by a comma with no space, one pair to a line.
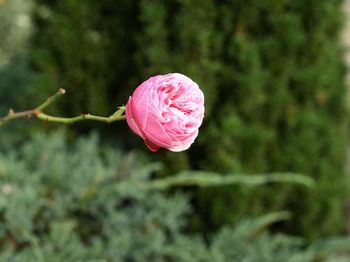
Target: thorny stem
[38,113]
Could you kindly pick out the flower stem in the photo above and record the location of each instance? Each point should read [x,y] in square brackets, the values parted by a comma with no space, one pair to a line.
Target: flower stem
[38,113]
[72,120]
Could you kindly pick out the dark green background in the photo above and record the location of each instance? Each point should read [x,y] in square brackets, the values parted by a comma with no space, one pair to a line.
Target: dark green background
[273,77]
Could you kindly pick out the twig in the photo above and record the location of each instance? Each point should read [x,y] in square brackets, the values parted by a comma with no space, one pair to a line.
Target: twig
[72,120]
[38,113]
[51,99]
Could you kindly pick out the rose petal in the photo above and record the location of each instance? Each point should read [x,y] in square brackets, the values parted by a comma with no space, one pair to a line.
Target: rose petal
[153,147]
[130,120]
[155,131]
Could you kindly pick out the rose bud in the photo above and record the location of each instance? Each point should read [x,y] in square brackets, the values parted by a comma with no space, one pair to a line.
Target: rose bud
[166,111]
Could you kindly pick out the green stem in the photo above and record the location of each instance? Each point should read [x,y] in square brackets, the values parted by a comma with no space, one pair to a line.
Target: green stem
[38,113]
[51,100]
[71,120]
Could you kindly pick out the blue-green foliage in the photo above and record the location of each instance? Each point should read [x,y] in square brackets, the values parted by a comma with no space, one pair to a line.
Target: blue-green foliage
[83,202]
[67,202]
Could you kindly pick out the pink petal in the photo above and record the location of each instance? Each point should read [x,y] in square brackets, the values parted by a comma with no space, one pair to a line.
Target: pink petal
[130,120]
[156,133]
[151,146]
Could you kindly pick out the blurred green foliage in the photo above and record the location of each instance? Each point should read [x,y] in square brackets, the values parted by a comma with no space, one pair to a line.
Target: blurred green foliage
[16,26]
[62,201]
[273,78]
[16,77]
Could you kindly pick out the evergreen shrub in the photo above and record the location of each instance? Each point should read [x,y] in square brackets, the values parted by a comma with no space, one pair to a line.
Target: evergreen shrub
[62,201]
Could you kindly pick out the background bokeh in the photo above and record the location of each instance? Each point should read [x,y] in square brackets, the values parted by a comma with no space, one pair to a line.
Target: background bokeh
[273,75]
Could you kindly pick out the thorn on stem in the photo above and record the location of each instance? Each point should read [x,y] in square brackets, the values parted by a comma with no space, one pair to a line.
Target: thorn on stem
[11,112]
[61,91]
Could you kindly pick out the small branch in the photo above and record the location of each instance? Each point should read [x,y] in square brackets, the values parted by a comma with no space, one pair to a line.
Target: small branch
[12,115]
[72,120]
[28,113]
[51,100]
[37,112]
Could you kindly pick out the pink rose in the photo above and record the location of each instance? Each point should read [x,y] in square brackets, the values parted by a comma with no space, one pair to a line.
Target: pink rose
[166,111]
